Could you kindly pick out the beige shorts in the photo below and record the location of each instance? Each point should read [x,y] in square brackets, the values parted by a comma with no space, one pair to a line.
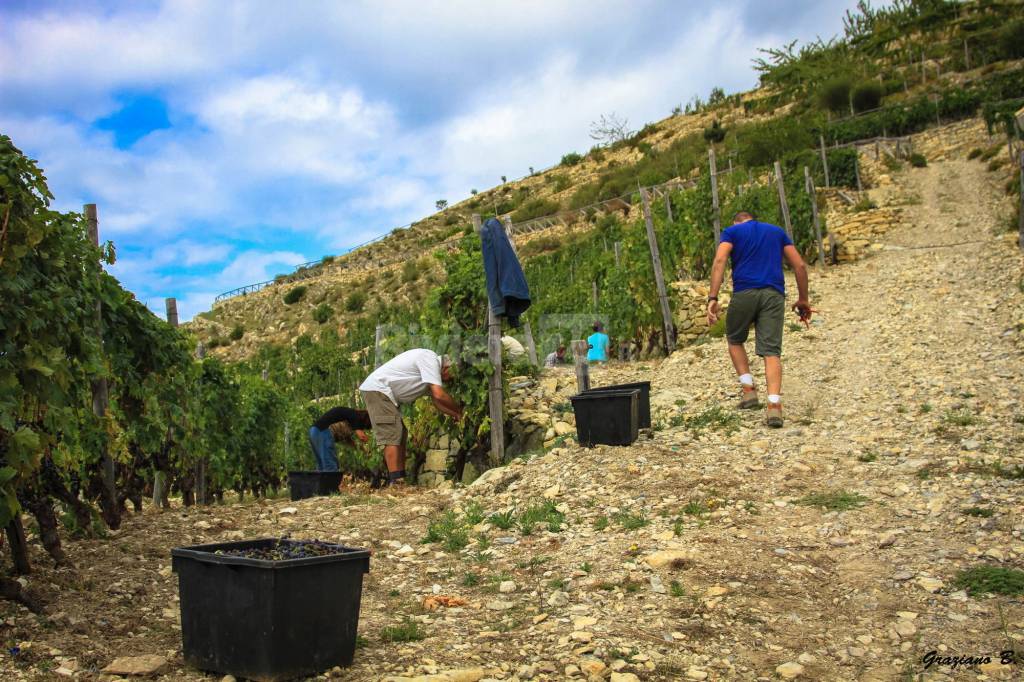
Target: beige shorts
[386,418]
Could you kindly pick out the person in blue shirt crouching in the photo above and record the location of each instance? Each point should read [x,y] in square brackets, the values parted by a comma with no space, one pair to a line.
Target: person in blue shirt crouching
[759,299]
[598,345]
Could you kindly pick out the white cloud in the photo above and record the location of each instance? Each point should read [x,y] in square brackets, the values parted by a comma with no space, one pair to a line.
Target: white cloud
[311,127]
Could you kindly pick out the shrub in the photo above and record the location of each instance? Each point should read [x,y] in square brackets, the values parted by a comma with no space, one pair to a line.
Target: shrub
[295,294]
[867,96]
[560,182]
[534,208]
[322,313]
[835,95]
[596,154]
[571,159]
[441,204]
[975,153]
[326,260]
[237,332]
[917,160]
[410,272]
[215,342]
[715,133]
[355,301]
[1011,40]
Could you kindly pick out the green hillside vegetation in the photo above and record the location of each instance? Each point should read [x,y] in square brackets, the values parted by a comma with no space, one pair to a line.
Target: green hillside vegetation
[900,70]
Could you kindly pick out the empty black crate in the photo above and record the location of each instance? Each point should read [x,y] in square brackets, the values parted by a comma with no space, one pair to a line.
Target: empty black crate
[645,398]
[268,620]
[303,484]
[608,417]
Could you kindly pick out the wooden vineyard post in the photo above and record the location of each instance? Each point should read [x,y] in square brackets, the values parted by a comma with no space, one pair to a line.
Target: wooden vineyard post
[824,159]
[618,253]
[812,193]
[783,206]
[967,56]
[202,494]
[593,288]
[579,356]
[856,168]
[668,206]
[659,276]
[108,497]
[531,347]
[495,399]
[159,477]
[378,337]
[714,195]
[1020,220]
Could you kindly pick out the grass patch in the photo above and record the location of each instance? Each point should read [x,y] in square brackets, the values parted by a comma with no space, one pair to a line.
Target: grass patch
[408,631]
[600,523]
[631,521]
[534,562]
[471,580]
[696,508]
[473,513]
[986,579]
[833,500]
[503,520]
[926,408]
[586,567]
[918,160]
[676,589]
[869,456]
[715,418]
[541,513]
[962,417]
[980,512]
[558,583]
[449,531]
[997,469]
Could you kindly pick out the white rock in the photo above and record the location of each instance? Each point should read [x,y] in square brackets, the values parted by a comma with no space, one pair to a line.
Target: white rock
[507,586]
[790,670]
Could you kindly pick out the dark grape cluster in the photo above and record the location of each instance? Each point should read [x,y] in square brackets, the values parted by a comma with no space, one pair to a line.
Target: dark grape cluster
[284,549]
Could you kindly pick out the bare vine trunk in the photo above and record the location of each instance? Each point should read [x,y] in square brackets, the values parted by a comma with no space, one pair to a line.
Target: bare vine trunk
[41,507]
[19,548]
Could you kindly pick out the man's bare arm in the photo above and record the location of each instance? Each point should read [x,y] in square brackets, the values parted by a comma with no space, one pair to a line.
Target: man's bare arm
[718,267]
[792,257]
[444,402]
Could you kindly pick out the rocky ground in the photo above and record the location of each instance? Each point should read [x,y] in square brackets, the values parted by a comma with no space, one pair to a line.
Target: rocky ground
[713,548]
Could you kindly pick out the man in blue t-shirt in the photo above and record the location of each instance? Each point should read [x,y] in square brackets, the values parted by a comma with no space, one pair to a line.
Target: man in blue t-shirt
[758,298]
[598,351]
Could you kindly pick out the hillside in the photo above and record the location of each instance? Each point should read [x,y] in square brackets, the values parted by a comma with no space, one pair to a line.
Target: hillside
[837,548]
[906,69]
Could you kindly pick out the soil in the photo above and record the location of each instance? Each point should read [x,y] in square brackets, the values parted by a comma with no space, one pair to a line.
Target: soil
[703,551]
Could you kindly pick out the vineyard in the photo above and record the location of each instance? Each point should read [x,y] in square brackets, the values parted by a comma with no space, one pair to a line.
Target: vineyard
[104,405]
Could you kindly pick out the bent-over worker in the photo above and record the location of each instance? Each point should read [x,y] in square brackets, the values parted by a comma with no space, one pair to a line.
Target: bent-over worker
[400,381]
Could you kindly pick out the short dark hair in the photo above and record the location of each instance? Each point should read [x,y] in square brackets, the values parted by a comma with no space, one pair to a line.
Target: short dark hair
[737,214]
[597,326]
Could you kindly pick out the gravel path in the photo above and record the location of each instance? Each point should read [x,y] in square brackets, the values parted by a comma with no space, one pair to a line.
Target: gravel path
[713,548]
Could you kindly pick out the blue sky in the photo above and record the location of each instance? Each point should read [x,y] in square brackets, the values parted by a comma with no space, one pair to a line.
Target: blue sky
[225,142]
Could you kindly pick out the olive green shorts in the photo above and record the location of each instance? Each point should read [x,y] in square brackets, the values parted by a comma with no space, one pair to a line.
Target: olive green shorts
[765,309]
[388,427]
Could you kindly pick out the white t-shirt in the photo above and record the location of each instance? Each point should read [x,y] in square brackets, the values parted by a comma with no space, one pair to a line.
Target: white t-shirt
[512,347]
[407,376]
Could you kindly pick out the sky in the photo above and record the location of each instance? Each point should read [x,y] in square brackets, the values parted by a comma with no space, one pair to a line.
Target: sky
[227,142]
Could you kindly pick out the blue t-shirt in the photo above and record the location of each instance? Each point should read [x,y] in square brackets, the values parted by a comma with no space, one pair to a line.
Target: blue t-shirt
[599,347]
[757,255]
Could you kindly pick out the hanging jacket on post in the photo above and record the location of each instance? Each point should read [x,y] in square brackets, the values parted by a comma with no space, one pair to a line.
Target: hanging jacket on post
[507,290]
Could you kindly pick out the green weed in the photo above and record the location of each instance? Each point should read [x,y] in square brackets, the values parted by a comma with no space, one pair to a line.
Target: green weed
[600,523]
[471,580]
[474,513]
[696,508]
[715,418]
[408,631]
[978,511]
[834,500]
[631,521]
[963,417]
[541,513]
[675,589]
[503,520]
[869,456]
[987,579]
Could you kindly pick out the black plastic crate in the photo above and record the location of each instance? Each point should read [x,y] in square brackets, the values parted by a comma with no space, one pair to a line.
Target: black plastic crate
[268,620]
[303,484]
[645,398]
[608,417]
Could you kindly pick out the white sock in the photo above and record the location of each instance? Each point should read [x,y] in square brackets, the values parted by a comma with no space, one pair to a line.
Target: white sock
[773,398]
[747,379]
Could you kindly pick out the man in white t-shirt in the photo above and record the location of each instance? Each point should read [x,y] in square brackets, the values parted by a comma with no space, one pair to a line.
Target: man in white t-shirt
[400,381]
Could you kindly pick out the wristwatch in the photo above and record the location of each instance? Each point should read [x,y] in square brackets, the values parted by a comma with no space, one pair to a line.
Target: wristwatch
[712,298]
